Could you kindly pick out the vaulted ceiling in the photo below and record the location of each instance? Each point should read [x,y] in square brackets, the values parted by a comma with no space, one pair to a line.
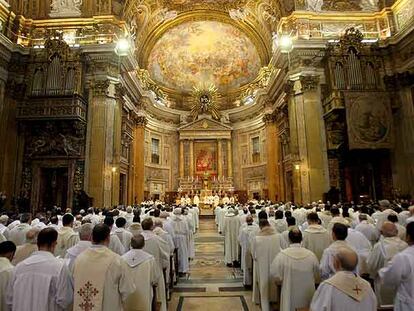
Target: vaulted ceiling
[187,43]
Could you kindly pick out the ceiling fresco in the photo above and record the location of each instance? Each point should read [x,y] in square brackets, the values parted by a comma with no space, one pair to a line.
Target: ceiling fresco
[204,52]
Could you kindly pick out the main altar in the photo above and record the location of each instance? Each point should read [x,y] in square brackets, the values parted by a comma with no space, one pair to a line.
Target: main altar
[206,159]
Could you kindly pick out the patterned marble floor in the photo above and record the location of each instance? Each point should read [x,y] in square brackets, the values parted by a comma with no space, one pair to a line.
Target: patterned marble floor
[210,284]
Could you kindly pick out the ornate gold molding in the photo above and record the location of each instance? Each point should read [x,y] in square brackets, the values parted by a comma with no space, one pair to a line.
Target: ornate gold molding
[141,121]
[309,83]
[269,118]
[100,87]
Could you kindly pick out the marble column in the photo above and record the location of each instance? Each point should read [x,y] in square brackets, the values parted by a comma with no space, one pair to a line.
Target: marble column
[139,159]
[191,158]
[100,142]
[219,159]
[229,160]
[272,153]
[309,128]
[181,159]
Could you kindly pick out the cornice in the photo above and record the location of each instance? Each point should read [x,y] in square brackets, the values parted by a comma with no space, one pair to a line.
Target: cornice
[160,126]
[250,125]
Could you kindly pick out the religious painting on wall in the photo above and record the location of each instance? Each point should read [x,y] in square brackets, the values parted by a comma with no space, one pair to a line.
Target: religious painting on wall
[205,157]
[369,120]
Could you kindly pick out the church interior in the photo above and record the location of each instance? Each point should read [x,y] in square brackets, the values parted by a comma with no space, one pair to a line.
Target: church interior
[218,104]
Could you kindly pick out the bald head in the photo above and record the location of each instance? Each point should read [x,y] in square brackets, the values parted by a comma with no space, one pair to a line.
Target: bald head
[346,259]
[389,229]
[137,242]
[31,235]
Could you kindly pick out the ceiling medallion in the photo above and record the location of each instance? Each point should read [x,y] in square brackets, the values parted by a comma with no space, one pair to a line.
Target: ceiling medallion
[205,100]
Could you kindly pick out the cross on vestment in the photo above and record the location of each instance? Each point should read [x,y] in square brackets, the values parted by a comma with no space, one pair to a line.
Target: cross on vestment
[357,289]
[87,292]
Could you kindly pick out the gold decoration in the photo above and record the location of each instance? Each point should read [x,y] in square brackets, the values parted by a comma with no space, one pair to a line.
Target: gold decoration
[205,99]
[205,125]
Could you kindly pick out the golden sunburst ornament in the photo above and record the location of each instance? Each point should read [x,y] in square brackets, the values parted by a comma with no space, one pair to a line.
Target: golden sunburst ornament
[205,100]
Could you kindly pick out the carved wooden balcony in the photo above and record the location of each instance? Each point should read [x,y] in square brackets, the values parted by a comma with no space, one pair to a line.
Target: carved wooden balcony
[71,107]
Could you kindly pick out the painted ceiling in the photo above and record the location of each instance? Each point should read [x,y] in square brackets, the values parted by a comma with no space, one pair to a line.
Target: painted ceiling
[203,52]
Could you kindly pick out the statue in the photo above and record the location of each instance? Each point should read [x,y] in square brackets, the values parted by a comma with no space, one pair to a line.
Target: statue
[315,5]
[65,8]
[369,5]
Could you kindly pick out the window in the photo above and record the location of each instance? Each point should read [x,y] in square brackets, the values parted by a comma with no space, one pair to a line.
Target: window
[155,151]
[256,149]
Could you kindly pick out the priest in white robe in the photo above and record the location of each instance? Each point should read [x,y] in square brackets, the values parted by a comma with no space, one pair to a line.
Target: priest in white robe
[399,273]
[247,231]
[7,250]
[362,246]
[327,264]
[181,232]
[42,281]
[18,234]
[401,229]
[101,278]
[196,200]
[367,229]
[383,252]
[28,248]
[85,242]
[216,200]
[226,200]
[190,236]
[4,219]
[291,225]
[280,223]
[115,244]
[265,247]
[67,236]
[158,248]
[345,290]
[221,213]
[123,235]
[297,269]
[142,268]
[159,231]
[315,237]
[216,214]
[231,231]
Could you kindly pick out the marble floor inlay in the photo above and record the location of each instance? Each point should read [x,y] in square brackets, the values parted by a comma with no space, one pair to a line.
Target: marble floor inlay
[210,282]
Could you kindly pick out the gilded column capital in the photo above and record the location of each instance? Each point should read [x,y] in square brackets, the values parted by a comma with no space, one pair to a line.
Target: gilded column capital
[141,121]
[269,118]
[309,83]
[120,90]
[100,87]
[289,87]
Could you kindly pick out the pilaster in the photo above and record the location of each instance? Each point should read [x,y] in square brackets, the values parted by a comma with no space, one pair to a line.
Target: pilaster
[102,127]
[309,143]
[272,152]
[219,159]
[139,159]
[229,159]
